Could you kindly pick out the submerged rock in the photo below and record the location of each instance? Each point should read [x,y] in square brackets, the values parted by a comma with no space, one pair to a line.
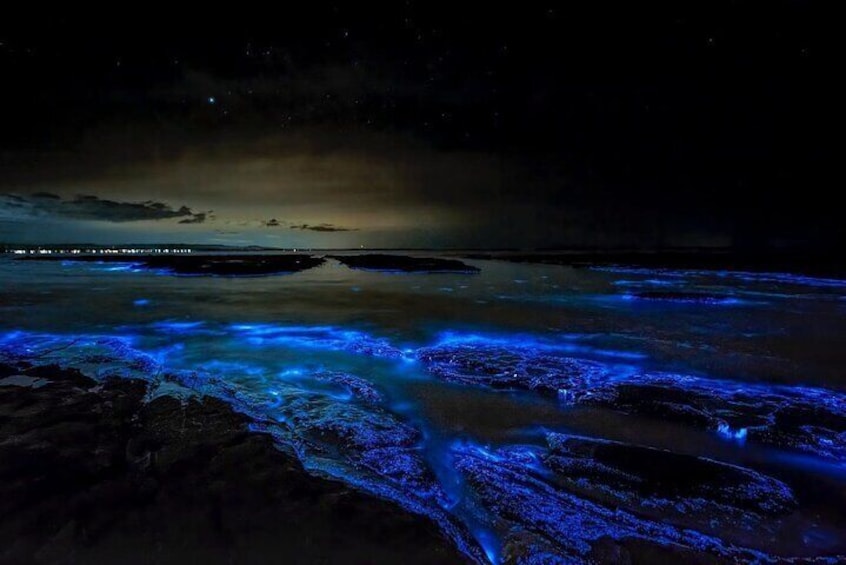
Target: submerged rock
[404,264]
[511,368]
[684,490]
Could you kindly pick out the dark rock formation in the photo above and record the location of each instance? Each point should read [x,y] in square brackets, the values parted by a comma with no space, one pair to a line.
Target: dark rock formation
[683,490]
[510,368]
[352,439]
[404,264]
[356,386]
[794,417]
[802,418]
[89,473]
[546,524]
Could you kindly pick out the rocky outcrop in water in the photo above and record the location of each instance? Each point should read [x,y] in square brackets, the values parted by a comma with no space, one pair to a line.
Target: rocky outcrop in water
[359,388]
[799,418]
[684,490]
[545,523]
[404,264]
[807,419]
[510,368]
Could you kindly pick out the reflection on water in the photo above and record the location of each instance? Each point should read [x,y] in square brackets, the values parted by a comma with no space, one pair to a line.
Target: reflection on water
[424,429]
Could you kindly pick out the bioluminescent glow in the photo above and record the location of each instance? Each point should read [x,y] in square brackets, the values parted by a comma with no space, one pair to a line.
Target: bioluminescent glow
[726,431]
[744,276]
[682,298]
[567,343]
[350,425]
[557,522]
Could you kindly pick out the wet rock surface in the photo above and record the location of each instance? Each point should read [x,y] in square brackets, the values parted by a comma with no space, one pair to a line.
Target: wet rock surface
[197,265]
[357,387]
[807,419]
[510,368]
[684,490]
[546,524]
[799,418]
[91,473]
[229,461]
[404,264]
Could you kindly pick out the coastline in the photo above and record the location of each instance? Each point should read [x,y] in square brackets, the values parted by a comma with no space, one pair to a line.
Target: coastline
[93,472]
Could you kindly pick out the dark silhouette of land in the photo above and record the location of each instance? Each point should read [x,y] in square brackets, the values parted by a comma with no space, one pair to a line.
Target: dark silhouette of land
[241,262]
[404,263]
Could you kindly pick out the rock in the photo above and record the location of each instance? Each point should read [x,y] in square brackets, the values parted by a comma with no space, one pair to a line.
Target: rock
[359,388]
[511,368]
[358,443]
[404,264]
[23,381]
[808,419]
[546,524]
[684,490]
[90,473]
[361,443]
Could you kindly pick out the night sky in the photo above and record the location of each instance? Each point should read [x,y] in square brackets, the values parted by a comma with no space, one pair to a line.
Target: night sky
[423,124]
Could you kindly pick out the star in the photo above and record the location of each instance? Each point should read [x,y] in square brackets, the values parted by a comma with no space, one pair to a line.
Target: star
[212,100]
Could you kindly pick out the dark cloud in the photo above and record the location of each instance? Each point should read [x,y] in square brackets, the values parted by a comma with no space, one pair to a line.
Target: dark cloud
[322,227]
[91,207]
[198,218]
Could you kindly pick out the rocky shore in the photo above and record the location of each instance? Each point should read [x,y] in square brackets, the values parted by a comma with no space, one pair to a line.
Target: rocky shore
[404,264]
[96,472]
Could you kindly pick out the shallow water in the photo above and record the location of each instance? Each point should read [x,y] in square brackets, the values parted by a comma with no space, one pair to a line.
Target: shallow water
[268,336]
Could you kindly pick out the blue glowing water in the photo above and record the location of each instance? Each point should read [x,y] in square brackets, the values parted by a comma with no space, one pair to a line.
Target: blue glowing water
[442,392]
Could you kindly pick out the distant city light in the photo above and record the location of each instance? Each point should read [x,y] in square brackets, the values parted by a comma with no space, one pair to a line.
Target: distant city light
[100,251]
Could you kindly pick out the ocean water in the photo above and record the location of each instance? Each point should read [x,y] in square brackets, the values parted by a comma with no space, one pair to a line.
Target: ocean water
[293,350]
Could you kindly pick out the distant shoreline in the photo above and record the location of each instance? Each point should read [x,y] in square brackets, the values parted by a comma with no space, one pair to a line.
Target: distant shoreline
[422,260]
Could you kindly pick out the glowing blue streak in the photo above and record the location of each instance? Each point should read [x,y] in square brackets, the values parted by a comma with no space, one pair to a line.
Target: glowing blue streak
[738,435]
[524,342]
